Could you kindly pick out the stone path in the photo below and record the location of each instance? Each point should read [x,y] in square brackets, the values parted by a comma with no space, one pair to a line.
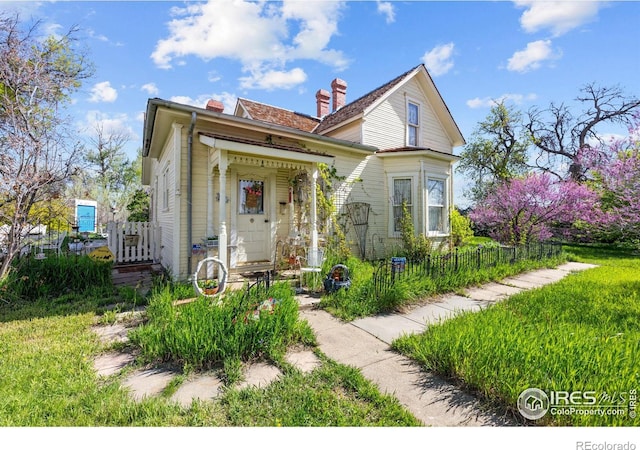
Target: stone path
[363,343]
[153,381]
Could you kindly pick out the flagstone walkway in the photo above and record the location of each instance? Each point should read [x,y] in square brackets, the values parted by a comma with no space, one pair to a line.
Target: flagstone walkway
[363,343]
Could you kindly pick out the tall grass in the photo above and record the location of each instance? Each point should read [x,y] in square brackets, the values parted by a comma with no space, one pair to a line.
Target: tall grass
[33,279]
[204,333]
[580,334]
[362,300]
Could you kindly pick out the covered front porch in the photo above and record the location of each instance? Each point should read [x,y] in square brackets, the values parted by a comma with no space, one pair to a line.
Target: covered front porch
[260,201]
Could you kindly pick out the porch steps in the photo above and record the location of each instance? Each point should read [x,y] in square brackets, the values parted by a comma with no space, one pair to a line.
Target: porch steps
[138,276]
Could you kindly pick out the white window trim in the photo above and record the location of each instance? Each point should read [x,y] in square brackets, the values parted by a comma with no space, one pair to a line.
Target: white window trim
[165,187]
[408,126]
[445,207]
[414,196]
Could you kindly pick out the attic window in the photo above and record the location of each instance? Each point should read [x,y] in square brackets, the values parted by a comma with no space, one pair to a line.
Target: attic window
[413,123]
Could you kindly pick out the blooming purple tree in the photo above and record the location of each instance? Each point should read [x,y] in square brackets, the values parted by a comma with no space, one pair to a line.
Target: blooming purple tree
[617,179]
[524,209]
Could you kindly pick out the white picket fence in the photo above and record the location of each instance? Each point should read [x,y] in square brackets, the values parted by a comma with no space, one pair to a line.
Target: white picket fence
[134,241]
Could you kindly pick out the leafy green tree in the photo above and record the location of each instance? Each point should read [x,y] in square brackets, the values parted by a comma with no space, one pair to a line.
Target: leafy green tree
[38,151]
[138,207]
[496,153]
[461,230]
[416,246]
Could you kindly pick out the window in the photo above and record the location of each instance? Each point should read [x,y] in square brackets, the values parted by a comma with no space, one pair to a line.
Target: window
[413,123]
[402,192]
[165,188]
[251,197]
[436,200]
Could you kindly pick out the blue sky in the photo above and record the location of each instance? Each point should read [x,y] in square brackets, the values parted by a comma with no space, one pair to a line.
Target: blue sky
[281,53]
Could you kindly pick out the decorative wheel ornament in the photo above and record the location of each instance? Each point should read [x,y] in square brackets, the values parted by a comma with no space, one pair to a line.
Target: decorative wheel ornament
[222,278]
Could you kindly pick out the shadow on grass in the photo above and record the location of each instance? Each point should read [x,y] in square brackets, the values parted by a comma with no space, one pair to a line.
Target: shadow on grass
[606,254]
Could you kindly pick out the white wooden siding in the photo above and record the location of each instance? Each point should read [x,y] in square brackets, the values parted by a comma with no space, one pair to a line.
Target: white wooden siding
[166,217]
[350,132]
[370,189]
[385,126]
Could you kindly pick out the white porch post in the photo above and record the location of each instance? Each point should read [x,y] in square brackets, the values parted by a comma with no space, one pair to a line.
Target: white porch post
[222,208]
[314,214]
[210,205]
[210,195]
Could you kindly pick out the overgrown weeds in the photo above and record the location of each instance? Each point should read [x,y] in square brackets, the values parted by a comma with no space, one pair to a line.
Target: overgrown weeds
[205,333]
[363,300]
[32,279]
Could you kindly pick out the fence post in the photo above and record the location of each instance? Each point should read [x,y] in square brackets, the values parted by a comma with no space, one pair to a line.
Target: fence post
[456,262]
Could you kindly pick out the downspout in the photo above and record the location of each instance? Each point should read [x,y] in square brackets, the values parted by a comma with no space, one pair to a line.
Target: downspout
[190,191]
[423,200]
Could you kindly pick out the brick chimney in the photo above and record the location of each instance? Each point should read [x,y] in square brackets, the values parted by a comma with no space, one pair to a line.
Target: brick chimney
[339,90]
[215,105]
[322,103]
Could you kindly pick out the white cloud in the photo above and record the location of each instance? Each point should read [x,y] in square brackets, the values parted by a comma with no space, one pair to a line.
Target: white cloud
[151,89]
[212,30]
[531,58]
[228,100]
[100,37]
[103,92]
[117,123]
[273,79]
[387,10]
[488,102]
[438,60]
[24,9]
[262,44]
[213,76]
[52,29]
[558,16]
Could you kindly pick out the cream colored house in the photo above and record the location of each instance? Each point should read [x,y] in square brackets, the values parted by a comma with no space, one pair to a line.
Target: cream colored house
[241,176]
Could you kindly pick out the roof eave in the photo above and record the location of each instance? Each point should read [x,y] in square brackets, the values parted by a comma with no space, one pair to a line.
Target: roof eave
[155,103]
[419,152]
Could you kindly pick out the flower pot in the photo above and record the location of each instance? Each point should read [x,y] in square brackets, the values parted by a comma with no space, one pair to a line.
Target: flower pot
[131,240]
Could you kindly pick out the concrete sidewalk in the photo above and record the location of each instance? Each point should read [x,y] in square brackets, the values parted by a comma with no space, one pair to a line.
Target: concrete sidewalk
[364,343]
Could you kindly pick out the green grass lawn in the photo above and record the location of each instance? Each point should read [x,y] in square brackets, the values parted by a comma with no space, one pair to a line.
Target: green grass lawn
[47,379]
[580,334]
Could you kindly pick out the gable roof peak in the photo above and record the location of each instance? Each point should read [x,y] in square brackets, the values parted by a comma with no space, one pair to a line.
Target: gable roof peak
[360,104]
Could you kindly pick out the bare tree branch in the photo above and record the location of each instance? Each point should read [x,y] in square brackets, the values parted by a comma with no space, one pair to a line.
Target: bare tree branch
[556,132]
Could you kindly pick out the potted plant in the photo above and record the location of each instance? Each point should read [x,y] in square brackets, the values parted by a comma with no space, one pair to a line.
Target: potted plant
[131,240]
[209,287]
[212,241]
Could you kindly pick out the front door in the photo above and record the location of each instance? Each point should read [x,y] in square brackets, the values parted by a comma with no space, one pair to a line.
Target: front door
[253,227]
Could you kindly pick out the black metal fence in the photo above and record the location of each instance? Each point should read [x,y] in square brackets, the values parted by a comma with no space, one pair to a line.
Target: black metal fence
[443,264]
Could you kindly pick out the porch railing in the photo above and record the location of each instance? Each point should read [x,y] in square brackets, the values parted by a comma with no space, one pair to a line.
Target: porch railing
[134,241]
